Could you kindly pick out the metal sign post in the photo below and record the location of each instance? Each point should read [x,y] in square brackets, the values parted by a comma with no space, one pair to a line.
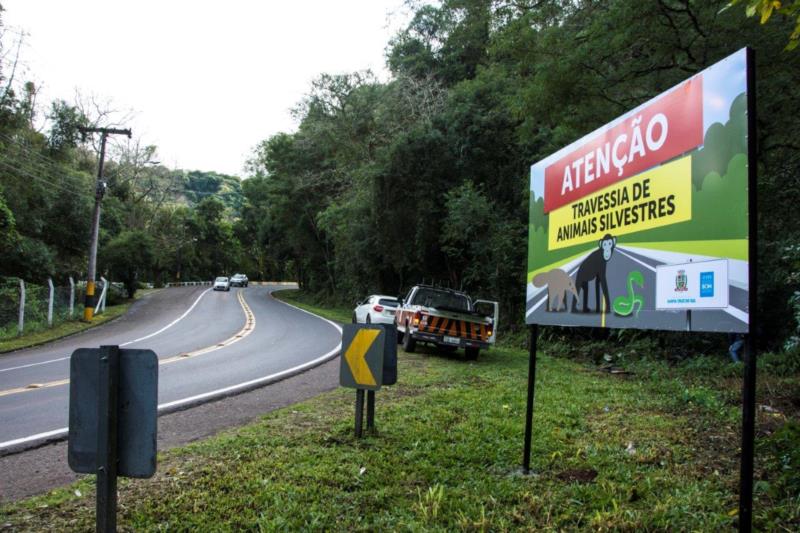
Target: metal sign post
[107,402]
[113,402]
[370,410]
[359,412]
[749,383]
[526,459]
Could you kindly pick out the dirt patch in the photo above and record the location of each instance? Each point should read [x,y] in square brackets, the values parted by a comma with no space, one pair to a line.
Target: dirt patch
[577,475]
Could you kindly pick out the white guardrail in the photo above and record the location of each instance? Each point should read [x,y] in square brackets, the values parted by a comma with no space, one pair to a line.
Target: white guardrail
[209,283]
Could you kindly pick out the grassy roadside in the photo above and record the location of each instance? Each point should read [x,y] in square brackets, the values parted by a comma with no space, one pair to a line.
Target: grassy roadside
[304,301]
[65,329]
[654,449]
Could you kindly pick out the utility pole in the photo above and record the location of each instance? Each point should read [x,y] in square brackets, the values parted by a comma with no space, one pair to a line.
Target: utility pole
[100,190]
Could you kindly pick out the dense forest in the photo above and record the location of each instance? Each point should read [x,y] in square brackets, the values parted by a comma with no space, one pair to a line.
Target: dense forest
[423,176]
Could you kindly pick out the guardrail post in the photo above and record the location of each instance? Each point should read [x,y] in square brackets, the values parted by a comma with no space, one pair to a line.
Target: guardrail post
[50,303]
[71,296]
[105,293]
[21,323]
[101,302]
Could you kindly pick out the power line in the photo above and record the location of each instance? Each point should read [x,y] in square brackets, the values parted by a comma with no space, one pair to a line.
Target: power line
[54,173]
[42,159]
[43,180]
[62,177]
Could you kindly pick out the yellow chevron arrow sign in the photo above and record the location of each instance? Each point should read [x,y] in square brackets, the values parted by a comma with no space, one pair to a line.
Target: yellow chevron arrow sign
[356,353]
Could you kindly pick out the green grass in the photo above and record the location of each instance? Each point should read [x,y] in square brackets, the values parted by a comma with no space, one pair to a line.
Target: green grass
[63,329]
[655,449]
[304,301]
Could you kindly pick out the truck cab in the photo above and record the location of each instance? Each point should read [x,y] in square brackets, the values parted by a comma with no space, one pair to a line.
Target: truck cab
[446,318]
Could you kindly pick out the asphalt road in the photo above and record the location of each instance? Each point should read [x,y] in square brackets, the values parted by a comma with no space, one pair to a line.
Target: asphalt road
[210,344]
[621,264]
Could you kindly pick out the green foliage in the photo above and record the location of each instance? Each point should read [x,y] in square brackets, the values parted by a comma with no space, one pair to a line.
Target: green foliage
[129,257]
[783,454]
[766,8]
[8,229]
[65,121]
[198,185]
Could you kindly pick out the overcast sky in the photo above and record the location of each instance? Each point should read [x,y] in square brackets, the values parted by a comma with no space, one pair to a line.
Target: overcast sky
[207,80]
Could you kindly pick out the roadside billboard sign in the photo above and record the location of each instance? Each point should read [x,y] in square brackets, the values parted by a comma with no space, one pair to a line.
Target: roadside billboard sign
[617,214]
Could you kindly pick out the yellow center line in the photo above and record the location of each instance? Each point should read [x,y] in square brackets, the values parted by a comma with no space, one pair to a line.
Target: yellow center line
[249,326]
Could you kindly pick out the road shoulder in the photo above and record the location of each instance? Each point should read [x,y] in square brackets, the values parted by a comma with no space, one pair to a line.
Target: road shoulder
[42,469]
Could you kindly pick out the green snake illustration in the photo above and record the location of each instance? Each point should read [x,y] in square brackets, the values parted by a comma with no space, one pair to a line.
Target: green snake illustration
[624,305]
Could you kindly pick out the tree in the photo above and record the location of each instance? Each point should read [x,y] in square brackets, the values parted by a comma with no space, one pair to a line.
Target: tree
[128,257]
[766,8]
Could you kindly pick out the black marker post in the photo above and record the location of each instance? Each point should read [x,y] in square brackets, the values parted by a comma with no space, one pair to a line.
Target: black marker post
[526,454]
[749,384]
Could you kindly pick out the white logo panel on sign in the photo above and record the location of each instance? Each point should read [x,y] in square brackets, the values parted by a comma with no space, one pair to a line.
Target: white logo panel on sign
[697,285]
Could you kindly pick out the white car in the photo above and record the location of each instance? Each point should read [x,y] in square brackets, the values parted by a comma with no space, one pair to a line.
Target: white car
[376,309]
[222,284]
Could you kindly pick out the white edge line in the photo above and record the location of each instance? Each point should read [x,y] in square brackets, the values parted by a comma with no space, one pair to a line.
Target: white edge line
[247,384]
[197,301]
[271,377]
[33,364]
[124,344]
[232,388]
[45,435]
[636,260]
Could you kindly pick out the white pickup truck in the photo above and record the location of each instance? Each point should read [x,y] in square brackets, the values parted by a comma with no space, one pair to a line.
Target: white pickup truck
[446,318]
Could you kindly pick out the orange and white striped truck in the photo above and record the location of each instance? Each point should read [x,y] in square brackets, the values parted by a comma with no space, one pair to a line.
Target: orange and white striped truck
[446,318]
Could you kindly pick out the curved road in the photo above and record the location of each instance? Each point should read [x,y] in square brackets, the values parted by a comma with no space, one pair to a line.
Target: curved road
[210,344]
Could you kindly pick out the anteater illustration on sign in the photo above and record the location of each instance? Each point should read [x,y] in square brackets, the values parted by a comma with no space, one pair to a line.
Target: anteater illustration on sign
[558,284]
[593,268]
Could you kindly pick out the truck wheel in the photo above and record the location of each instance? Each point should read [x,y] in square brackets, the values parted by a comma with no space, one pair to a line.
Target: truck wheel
[355,320]
[409,344]
[472,353]
[399,337]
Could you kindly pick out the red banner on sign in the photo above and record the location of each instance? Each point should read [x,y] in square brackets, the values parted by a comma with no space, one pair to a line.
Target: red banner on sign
[664,129]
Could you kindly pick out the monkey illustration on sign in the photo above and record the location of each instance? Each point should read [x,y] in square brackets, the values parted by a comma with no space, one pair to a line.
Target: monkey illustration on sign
[558,284]
[593,268]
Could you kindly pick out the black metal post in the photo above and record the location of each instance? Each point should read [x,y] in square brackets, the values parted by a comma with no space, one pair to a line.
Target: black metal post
[359,411]
[370,410]
[749,384]
[107,388]
[526,459]
[748,436]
